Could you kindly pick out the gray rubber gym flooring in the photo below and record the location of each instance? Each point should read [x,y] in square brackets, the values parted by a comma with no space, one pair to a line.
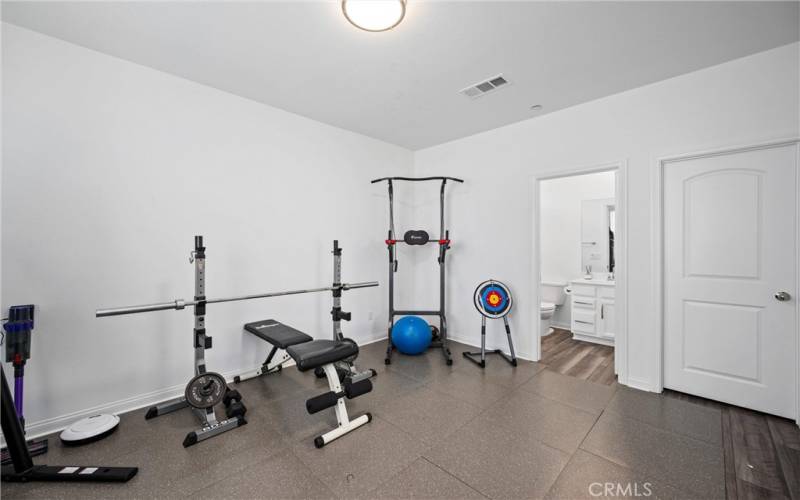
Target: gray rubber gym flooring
[437,432]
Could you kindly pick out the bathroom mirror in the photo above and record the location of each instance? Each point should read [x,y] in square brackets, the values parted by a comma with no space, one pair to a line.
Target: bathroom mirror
[598,226]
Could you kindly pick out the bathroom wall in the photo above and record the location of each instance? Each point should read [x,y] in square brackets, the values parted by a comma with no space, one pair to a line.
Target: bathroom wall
[560,237]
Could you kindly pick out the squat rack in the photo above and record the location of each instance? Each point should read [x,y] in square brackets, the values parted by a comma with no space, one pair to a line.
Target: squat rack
[210,425]
[418,238]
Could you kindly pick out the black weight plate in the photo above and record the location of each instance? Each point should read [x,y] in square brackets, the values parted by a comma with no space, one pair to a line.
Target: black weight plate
[205,390]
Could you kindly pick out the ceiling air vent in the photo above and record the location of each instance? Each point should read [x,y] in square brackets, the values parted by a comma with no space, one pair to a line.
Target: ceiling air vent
[484,87]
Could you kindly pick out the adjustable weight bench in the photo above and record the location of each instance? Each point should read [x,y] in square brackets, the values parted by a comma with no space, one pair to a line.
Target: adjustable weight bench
[310,354]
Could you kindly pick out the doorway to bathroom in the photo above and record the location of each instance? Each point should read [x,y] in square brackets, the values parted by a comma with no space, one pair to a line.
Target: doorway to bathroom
[579,272]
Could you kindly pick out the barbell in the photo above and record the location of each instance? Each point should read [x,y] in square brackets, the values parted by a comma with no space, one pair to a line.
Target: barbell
[179,304]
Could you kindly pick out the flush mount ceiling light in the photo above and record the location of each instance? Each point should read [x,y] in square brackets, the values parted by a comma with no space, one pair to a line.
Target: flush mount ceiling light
[374,15]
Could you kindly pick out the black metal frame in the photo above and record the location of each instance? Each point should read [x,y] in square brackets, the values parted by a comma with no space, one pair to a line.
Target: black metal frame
[444,245]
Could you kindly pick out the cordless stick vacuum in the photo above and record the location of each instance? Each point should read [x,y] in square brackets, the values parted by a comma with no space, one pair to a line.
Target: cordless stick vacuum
[18,330]
[21,467]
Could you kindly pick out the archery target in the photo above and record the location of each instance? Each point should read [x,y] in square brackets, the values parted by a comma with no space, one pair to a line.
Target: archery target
[492,299]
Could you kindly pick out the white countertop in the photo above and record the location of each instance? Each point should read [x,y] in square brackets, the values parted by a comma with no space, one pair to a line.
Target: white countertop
[598,281]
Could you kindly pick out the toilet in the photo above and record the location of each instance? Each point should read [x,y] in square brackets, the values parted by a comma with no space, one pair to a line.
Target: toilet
[553,296]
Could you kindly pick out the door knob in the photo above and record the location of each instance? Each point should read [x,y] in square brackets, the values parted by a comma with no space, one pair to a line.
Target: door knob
[782,296]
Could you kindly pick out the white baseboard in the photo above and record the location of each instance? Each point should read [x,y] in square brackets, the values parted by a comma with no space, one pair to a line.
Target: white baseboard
[561,326]
[642,385]
[44,427]
[47,426]
[373,339]
[521,355]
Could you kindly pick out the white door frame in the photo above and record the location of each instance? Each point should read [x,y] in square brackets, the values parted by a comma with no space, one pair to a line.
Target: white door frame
[620,258]
[657,242]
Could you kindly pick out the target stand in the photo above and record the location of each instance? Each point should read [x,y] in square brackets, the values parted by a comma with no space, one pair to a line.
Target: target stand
[493,300]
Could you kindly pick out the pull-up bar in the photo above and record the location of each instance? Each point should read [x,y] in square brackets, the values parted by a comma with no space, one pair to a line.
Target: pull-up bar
[179,304]
[442,235]
[417,179]
[419,237]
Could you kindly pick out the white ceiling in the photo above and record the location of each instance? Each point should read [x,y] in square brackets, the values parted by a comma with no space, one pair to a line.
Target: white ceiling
[402,86]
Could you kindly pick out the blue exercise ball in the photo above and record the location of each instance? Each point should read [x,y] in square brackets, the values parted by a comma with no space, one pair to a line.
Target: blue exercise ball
[411,335]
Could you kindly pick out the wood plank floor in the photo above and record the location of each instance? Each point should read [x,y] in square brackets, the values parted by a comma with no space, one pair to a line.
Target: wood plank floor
[762,452]
[582,360]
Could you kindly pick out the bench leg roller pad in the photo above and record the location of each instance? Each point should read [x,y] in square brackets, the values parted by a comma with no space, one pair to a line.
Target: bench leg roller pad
[345,424]
[356,389]
[321,402]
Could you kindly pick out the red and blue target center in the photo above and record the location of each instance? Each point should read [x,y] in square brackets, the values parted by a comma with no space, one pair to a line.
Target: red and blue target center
[494,299]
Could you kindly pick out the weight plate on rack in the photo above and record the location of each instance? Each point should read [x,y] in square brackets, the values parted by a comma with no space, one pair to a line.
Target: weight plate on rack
[205,390]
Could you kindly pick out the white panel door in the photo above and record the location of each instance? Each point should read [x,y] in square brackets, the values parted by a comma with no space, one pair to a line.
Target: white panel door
[729,246]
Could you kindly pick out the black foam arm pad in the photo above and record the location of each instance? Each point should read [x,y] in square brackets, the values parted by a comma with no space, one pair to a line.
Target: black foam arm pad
[417,237]
[357,389]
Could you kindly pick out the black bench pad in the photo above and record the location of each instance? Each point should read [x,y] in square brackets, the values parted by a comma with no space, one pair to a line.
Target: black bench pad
[276,333]
[316,353]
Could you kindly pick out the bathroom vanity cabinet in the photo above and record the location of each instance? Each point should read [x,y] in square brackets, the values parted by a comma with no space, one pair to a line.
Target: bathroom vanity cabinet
[593,311]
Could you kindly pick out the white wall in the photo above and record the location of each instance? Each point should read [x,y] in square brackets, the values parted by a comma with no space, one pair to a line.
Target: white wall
[561,225]
[745,101]
[111,168]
